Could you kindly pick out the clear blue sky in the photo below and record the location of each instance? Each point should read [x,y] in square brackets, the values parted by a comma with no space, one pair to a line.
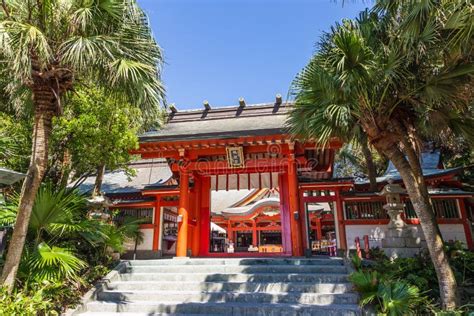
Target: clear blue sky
[220,50]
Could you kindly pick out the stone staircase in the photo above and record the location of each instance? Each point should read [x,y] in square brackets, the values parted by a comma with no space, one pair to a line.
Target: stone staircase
[225,287]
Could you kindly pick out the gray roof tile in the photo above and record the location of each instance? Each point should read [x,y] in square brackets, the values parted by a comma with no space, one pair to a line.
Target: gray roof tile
[430,161]
[228,122]
[8,177]
[153,172]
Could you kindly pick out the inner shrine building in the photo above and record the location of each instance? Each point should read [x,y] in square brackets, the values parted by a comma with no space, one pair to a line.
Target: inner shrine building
[231,181]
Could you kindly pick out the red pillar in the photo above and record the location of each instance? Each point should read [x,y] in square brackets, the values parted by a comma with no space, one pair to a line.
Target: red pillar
[285,214]
[182,242]
[293,205]
[254,233]
[465,222]
[340,221]
[205,209]
[230,234]
[197,215]
[319,232]
[156,224]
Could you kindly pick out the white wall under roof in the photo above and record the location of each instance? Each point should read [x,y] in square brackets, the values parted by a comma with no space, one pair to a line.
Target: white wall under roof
[147,243]
[241,181]
[220,200]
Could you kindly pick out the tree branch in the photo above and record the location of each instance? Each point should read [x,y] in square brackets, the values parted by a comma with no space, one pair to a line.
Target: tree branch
[81,180]
[5,8]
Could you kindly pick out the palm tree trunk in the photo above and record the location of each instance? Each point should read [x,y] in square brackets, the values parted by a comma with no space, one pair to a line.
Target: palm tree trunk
[45,105]
[135,249]
[418,193]
[371,171]
[65,168]
[98,180]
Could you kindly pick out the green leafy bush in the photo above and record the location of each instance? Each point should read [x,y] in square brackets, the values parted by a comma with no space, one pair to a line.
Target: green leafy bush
[366,283]
[64,252]
[28,303]
[95,273]
[390,297]
[64,294]
[356,262]
[411,282]
[51,263]
[399,298]
[377,254]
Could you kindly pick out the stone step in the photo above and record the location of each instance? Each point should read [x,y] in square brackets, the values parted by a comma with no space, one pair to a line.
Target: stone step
[238,261]
[138,314]
[228,297]
[236,286]
[174,308]
[268,287]
[237,277]
[211,269]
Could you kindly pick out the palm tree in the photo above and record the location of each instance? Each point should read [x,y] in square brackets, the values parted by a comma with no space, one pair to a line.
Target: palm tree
[369,162]
[402,72]
[357,159]
[357,141]
[49,46]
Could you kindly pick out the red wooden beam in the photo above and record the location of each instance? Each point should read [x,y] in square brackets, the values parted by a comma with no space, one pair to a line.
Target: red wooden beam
[159,192]
[169,149]
[216,167]
[327,185]
[134,205]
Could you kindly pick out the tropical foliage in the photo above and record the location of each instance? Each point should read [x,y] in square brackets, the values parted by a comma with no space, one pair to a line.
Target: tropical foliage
[96,132]
[393,297]
[408,285]
[66,249]
[403,73]
[28,303]
[48,49]
[15,142]
[51,263]
[351,162]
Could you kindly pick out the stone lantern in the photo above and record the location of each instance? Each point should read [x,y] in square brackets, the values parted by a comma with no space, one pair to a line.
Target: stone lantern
[400,240]
[394,209]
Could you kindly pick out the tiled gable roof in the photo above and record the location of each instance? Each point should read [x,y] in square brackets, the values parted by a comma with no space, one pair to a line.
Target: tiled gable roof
[153,172]
[430,165]
[225,122]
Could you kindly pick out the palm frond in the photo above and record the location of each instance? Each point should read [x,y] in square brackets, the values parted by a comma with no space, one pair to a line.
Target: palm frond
[7,215]
[53,263]
[367,284]
[54,211]
[84,52]
[19,40]
[398,298]
[108,41]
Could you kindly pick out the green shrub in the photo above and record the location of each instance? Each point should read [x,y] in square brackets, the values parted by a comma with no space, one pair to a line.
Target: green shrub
[47,263]
[399,298]
[367,284]
[412,283]
[95,273]
[356,262]
[27,303]
[377,254]
[390,297]
[60,261]
[64,294]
